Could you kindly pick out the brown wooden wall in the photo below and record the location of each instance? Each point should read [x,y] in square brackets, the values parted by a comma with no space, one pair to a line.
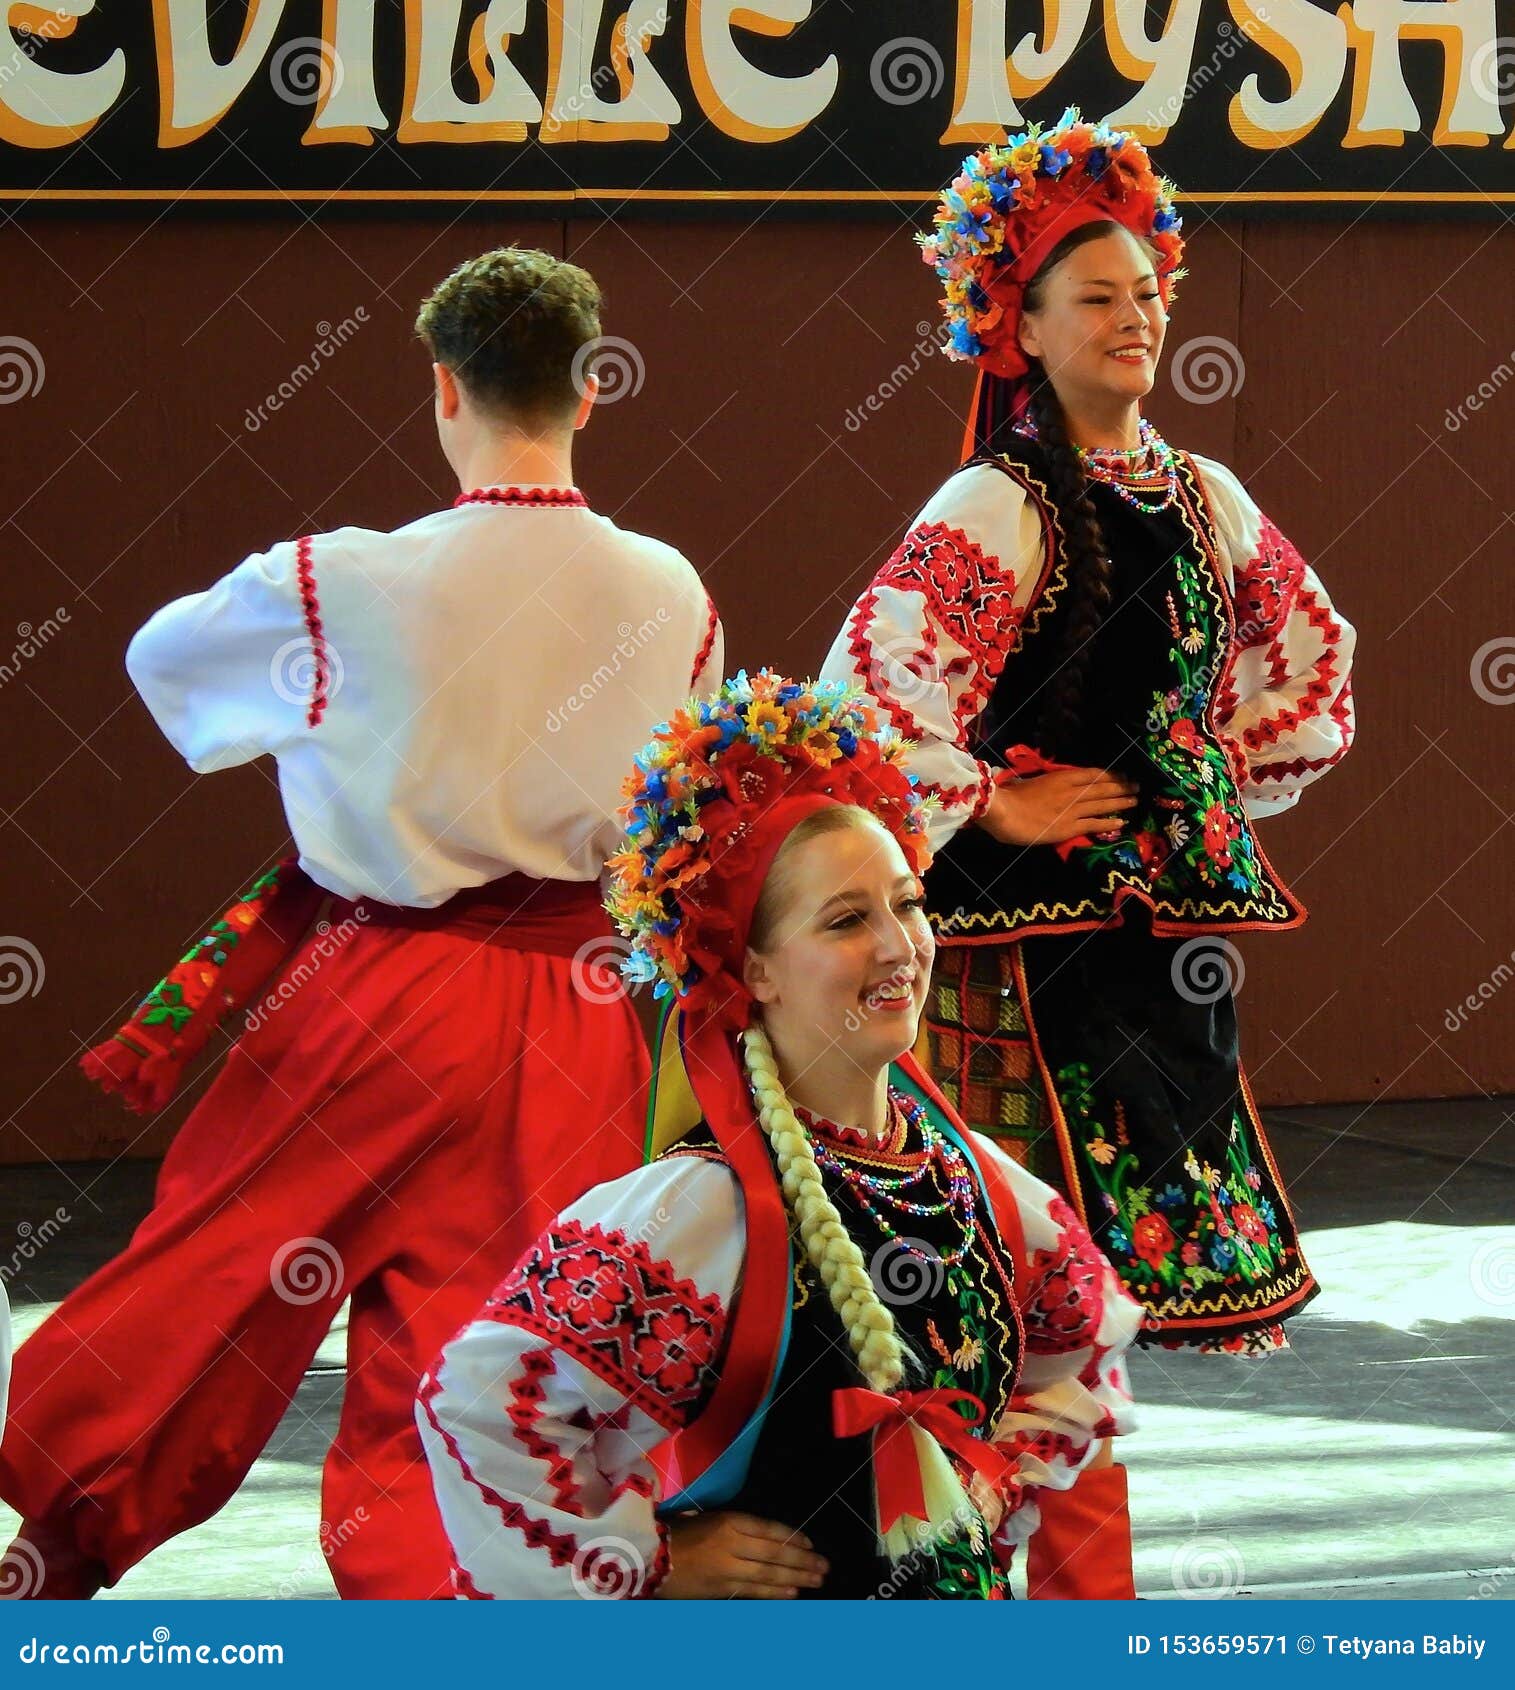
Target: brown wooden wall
[130,476]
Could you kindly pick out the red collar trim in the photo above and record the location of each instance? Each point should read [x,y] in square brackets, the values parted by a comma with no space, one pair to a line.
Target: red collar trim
[524,497]
[854,1138]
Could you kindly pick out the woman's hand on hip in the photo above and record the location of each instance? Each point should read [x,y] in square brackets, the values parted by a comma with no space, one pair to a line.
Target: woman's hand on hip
[1048,809]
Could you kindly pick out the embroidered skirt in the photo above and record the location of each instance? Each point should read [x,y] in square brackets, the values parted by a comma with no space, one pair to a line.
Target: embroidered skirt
[1107,1064]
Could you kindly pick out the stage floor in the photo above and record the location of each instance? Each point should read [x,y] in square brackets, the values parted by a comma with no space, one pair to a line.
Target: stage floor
[1375,1459]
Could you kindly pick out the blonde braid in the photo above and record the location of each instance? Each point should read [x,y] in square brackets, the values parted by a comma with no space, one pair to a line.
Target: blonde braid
[868,1322]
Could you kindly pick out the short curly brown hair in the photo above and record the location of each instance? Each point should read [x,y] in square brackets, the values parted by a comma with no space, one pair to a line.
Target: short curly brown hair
[510,325]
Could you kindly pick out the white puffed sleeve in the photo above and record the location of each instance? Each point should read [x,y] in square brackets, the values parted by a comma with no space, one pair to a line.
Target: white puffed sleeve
[1286,698]
[928,639]
[221,670]
[540,1415]
[1072,1391]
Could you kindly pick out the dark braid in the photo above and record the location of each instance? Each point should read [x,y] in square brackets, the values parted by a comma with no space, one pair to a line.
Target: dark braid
[1090,573]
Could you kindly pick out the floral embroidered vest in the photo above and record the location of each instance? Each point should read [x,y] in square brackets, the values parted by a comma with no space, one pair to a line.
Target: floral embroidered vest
[1157,665]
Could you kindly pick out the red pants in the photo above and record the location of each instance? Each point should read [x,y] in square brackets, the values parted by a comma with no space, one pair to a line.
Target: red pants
[398,1129]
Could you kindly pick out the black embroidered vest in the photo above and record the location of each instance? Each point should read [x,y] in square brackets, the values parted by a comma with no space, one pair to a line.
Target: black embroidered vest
[1188,851]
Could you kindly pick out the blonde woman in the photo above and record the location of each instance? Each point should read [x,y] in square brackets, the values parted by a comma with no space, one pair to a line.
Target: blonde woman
[925,1335]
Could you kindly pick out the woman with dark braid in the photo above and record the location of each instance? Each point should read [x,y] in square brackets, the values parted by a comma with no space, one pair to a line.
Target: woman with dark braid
[1111,664]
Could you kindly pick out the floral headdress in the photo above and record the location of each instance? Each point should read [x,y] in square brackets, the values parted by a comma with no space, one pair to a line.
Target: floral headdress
[714,795]
[1012,204]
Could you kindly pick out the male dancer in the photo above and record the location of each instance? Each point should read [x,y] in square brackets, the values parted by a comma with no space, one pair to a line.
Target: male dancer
[451,707]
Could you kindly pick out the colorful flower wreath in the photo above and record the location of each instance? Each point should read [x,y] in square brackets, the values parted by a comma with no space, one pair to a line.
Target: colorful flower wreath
[1012,204]
[713,796]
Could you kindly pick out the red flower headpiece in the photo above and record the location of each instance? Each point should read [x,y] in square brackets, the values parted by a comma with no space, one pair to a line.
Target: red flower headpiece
[714,795]
[1012,204]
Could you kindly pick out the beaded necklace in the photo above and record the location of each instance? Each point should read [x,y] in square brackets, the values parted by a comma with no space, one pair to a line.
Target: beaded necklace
[872,1190]
[1130,472]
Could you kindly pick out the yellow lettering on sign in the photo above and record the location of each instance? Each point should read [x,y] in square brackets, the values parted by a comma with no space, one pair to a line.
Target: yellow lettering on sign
[1311,45]
[577,109]
[1382,109]
[347,108]
[196,91]
[433,110]
[1162,67]
[738,98]
[42,108]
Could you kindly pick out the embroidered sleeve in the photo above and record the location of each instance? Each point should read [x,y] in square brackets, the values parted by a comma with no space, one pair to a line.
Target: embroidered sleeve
[236,671]
[1072,1391]
[540,1416]
[929,637]
[1286,700]
[710,660]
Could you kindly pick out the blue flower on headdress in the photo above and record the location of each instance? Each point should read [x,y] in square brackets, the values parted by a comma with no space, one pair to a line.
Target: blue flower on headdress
[1096,162]
[1054,160]
[1166,219]
[965,343]
[846,741]
[1002,192]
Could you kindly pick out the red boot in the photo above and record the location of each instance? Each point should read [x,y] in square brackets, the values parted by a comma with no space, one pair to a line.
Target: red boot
[44,1564]
[1081,1552]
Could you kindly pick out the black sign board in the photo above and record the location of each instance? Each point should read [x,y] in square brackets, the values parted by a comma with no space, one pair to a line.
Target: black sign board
[828,105]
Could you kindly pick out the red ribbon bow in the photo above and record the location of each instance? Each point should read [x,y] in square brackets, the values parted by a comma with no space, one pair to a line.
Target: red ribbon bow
[896,1470]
